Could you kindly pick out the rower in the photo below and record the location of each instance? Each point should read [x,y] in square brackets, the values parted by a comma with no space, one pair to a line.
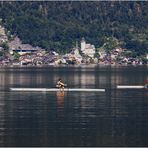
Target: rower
[60,84]
[146,85]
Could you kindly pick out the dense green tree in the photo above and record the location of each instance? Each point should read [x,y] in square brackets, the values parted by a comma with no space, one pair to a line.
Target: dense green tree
[58,24]
[1,54]
[5,45]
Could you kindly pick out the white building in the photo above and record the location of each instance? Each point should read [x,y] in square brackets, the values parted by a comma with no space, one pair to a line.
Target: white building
[102,54]
[3,36]
[87,49]
[83,44]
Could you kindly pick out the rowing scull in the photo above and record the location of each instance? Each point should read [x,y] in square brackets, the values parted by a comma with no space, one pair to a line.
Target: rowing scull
[57,89]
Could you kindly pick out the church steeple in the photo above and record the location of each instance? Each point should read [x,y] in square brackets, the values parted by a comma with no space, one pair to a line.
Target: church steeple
[83,43]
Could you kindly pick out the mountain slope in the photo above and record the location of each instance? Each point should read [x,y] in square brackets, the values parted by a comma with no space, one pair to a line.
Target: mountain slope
[58,25]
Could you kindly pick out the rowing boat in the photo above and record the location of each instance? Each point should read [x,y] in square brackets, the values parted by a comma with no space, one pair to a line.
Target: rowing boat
[57,89]
[130,87]
[133,86]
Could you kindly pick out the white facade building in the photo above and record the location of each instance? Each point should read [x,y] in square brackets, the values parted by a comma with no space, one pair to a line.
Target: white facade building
[3,36]
[87,49]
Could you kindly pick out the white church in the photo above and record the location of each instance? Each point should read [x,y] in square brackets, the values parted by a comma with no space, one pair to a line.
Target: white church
[87,49]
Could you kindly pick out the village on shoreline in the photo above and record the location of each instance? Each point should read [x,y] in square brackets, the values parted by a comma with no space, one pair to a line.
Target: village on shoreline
[19,54]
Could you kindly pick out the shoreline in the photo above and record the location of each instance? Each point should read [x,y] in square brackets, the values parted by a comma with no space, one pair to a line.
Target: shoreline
[81,65]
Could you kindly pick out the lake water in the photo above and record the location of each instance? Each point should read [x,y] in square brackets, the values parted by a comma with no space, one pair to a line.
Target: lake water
[111,118]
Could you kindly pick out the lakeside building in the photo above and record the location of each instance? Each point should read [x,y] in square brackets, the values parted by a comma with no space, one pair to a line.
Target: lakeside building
[87,49]
[17,46]
[21,51]
[102,54]
[3,36]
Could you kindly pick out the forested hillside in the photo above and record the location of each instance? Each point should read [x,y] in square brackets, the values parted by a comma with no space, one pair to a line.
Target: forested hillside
[58,25]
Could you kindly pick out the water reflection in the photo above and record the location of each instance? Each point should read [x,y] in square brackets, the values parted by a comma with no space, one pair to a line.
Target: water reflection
[2,117]
[113,118]
[60,103]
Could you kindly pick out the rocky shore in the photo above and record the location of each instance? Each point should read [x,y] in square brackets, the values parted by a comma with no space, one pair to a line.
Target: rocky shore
[44,58]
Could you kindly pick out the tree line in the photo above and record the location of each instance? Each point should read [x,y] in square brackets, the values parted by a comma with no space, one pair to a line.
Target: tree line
[58,25]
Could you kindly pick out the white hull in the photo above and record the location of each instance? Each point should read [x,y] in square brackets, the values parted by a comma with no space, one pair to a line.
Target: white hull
[56,89]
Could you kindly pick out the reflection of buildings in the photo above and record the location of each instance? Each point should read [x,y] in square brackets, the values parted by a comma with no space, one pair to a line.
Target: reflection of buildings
[87,77]
[2,117]
[13,76]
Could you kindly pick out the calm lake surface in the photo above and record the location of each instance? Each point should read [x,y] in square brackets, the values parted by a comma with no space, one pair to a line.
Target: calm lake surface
[111,118]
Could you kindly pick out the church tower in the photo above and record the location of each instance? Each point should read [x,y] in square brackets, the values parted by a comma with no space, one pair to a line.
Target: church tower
[83,43]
